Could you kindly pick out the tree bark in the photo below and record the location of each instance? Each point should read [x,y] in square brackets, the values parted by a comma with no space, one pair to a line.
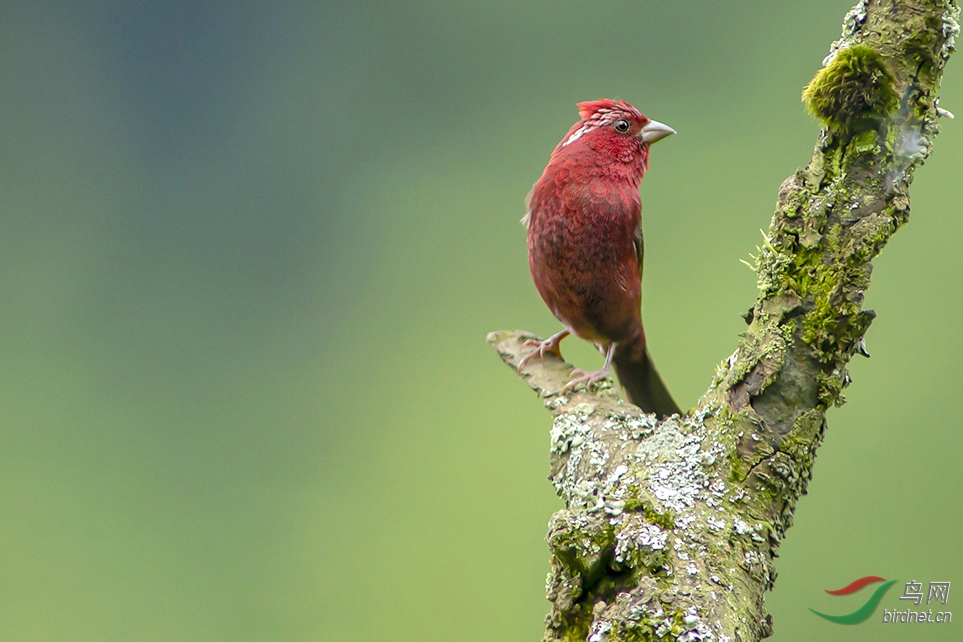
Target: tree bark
[670,527]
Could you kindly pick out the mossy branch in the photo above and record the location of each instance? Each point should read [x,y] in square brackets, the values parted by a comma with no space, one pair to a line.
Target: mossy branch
[670,527]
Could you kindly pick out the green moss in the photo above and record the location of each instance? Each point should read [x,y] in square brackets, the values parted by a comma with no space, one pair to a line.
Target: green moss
[923,45]
[577,623]
[646,634]
[738,469]
[798,443]
[826,267]
[853,92]
[830,389]
[665,521]
[644,631]
[582,551]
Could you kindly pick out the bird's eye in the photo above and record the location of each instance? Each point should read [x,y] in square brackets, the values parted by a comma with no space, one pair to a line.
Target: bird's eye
[621,126]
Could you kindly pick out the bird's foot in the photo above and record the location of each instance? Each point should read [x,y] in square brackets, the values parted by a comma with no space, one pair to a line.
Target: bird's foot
[541,347]
[579,376]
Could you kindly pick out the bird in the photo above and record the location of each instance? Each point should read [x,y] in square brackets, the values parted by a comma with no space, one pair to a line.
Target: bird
[585,246]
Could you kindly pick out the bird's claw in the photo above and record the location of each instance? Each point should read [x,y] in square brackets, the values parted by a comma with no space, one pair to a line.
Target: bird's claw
[541,347]
[579,376]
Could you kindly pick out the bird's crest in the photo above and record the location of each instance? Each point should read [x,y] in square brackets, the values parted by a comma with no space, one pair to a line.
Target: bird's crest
[607,109]
[601,113]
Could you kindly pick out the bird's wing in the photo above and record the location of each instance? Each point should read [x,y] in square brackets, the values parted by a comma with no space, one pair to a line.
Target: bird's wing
[639,244]
[527,219]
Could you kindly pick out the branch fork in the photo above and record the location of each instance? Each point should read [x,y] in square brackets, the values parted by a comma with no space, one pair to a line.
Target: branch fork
[670,526]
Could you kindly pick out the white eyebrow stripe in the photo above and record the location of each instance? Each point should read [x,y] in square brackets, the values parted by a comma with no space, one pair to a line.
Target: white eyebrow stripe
[578,134]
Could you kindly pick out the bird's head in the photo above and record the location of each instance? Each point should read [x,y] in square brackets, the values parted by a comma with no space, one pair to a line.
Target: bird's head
[611,132]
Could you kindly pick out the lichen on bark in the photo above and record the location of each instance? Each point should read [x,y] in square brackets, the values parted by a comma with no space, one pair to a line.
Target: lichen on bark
[670,527]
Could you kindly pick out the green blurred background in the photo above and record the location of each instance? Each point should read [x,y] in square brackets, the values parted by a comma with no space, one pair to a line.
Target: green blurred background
[250,253]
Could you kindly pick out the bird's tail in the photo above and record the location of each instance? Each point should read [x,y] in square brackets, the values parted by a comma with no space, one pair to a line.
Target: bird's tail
[644,387]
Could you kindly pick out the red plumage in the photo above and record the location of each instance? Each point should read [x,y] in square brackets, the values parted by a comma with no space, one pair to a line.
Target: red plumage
[585,244]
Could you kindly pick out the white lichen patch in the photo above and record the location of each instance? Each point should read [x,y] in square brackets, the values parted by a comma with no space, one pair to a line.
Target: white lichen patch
[852,23]
[616,475]
[588,480]
[557,402]
[634,534]
[622,478]
[700,632]
[755,532]
[569,429]
[632,428]
[914,146]
[572,434]
[683,521]
[613,507]
[950,29]
[600,631]
[679,479]
[721,377]
[696,628]
[757,565]
[664,628]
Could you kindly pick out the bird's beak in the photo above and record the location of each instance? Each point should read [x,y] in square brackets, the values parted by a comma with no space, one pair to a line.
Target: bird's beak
[654,131]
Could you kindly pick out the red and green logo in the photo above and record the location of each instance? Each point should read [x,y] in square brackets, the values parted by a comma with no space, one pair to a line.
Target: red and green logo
[863,612]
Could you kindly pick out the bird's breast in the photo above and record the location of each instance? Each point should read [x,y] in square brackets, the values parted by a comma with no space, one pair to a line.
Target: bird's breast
[582,256]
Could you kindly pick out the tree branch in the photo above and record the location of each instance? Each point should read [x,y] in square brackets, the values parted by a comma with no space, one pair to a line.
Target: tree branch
[670,527]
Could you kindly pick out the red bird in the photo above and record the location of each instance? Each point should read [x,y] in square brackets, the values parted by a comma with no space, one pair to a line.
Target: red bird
[584,225]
